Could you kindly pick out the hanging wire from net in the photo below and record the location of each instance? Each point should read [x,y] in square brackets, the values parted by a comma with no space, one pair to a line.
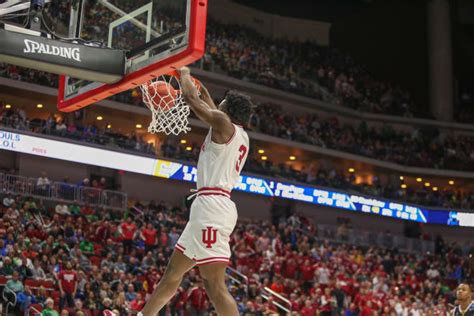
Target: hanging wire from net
[169,110]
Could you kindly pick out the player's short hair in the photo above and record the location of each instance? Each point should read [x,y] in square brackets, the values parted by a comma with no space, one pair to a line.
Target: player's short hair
[239,107]
[468,284]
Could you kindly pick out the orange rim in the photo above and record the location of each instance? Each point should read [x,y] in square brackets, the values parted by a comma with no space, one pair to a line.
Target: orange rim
[196,82]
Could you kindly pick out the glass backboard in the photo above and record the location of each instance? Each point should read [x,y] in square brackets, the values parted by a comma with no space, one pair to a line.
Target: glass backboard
[156,35]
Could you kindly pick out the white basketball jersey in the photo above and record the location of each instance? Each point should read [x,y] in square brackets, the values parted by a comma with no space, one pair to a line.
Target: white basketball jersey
[219,165]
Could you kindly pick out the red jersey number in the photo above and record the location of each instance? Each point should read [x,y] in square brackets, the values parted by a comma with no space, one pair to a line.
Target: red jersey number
[243,152]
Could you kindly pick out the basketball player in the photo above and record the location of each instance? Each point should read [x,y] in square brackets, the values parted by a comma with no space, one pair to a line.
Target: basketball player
[205,240]
[464,298]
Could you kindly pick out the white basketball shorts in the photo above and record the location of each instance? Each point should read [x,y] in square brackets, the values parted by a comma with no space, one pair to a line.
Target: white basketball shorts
[205,238]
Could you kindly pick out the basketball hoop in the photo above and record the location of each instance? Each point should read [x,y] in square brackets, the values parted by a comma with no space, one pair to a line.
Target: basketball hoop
[162,95]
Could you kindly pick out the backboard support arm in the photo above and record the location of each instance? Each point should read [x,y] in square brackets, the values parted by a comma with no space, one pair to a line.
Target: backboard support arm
[13,6]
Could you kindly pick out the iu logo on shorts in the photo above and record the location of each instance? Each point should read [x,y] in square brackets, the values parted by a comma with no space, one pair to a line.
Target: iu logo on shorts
[209,236]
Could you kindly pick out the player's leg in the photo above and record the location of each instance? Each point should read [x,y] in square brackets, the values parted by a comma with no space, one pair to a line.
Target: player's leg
[214,281]
[179,264]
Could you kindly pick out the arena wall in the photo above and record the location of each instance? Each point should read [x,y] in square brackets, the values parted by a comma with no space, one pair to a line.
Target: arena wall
[7,160]
[32,166]
[269,25]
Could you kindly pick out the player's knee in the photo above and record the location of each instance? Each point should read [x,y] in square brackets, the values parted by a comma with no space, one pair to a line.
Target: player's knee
[211,288]
[214,286]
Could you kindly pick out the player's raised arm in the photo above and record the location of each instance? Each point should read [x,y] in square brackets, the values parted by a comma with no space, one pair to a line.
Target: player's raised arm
[219,121]
[206,97]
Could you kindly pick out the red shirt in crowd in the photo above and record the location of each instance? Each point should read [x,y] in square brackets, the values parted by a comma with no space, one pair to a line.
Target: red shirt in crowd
[150,236]
[151,278]
[290,270]
[277,287]
[180,299]
[137,304]
[277,268]
[198,298]
[278,247]
[128,230]
[326,307]
[87,210]
[360,299]
[40,234]
[307,272]
[250,240]
[295,306]
[29,254]
[102,232]
[411,281]
[307,311]
[68,280]
[288,289]
[269,307]
[164,239]
[366,311]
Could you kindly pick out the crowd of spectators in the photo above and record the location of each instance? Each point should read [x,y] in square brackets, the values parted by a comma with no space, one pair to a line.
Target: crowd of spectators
[62,127]
[420,148]
[113,260]
[268,120]
[294,66]
[29,75]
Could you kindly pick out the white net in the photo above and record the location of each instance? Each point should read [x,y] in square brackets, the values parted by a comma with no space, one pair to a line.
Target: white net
[170,113]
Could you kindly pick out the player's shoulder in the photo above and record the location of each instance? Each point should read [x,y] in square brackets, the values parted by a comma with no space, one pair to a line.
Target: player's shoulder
[452,312]
[457,311]
[239,129]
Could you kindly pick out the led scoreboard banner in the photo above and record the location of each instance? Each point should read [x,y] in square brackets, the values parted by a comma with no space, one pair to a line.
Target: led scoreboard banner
[177,171]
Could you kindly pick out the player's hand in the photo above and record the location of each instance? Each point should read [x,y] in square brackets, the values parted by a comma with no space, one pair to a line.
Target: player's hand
[183,71]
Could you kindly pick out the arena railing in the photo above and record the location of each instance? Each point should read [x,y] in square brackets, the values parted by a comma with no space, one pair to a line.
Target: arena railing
[238,278]
[17,184]
[63,192]
[114,199]
[91,196]
[33,311]
[278,300]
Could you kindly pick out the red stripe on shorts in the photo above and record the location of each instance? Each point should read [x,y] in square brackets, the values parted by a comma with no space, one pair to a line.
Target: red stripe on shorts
[213,189]
[214,261]
[210,193]
[212,258]
[180,248]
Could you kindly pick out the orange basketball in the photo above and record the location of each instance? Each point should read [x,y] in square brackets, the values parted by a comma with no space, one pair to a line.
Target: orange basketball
[162,94]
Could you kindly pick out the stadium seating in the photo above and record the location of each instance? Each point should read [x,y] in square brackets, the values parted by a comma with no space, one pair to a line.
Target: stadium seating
[284,261]
[302,68]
